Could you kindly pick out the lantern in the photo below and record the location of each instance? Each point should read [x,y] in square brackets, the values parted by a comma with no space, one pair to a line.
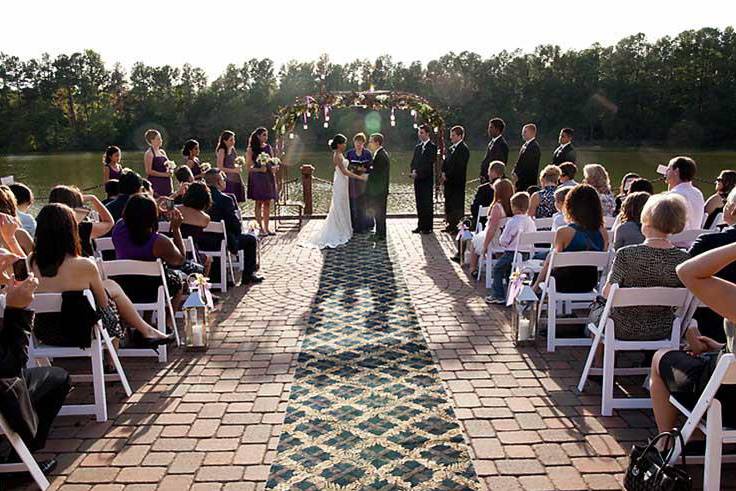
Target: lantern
[524,316]
[197,310]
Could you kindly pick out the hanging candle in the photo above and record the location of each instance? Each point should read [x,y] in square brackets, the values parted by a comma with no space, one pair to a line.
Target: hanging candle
[306,127]
[393,116]
[326,124]
[414,113]
[393,122]
[291,136]
[416,126]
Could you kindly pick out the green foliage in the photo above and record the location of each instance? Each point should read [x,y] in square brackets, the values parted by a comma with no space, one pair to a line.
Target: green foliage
[672,91]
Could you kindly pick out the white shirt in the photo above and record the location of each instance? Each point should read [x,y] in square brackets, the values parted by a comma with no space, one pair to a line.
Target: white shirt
[493,140]
[27,222]
[515,226]
[568,184]
[558,221]
[696,203]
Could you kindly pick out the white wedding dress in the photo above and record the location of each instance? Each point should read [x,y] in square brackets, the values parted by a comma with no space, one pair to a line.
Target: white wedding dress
[337,229]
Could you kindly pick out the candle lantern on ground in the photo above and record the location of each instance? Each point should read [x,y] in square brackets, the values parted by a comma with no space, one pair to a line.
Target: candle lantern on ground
[197,310]
[524,304]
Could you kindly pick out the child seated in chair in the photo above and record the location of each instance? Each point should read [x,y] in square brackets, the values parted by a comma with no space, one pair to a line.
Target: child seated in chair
[518,224]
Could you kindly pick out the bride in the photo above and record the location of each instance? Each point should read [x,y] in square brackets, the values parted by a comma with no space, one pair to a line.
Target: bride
[337,229]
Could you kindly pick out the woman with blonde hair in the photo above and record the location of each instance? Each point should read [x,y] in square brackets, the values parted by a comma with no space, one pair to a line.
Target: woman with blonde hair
[597,176]
[154,161]
[542,204]
[500,208]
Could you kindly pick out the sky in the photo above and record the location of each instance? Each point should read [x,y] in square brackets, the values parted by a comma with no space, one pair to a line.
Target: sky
[212,34]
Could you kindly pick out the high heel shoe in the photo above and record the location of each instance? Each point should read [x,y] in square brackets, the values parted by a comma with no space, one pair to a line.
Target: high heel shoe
[143,342]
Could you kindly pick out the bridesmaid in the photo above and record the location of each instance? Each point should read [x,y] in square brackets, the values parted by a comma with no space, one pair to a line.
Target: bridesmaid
[226,156]
[154,161]
[261,180]
[191,155]
[111,167]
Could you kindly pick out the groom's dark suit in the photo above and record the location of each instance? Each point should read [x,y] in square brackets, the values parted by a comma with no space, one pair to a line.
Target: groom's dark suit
[377,189]
[422,164]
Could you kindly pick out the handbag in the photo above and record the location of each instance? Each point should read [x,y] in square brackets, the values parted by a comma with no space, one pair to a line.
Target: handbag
[597,307]
[649,470]
[15,406]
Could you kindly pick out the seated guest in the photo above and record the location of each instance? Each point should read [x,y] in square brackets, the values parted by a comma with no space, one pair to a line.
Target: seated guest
[558,219]
[679,178]
[130,184]
[224,209]
[641,185]
[543,201]
[195,202]
[74,199]
[628,232]
[21,243]
[714,205]
[48,386]
[585,232]
[58,264]
[625,188]
[533,189]
[484,193]
[709,322]
[518,224]
[649,264]
[112,190]
[147,188]
[567,174]
[24,200]
[597,176]
[503,189]
[684,374]
[184,178]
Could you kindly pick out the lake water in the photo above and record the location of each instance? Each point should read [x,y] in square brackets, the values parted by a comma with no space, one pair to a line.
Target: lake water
[43,171]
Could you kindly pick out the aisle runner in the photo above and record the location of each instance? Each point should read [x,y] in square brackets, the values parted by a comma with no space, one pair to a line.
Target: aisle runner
[367,409]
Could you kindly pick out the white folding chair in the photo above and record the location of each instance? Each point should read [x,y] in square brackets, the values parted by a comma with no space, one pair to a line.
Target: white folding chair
[189,247]
[162,304]
[101,246]
[27,463]
[493,248]
[599,260]
[705,219]
[41,355]
[222,254]
[685,238]
[604,332]
[707,416]
[543,223]
[529,241]
[717,222]
[482,212]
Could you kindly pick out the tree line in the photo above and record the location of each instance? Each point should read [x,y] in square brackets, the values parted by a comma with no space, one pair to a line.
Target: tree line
[677,91]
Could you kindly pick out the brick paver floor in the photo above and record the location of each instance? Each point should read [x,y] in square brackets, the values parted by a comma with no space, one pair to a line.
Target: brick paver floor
[212,421]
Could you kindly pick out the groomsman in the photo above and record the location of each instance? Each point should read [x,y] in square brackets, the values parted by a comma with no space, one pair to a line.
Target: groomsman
[454,174]
[422,172]
[377,185]
[565,152]
[498,149]
[527,165]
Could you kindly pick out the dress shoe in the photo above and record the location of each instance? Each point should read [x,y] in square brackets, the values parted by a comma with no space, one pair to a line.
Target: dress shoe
[416,231]
[425,232]
[252,280]
[455,258]
[377,238]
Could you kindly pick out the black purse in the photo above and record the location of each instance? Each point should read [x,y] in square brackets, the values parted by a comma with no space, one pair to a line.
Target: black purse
[15,406]
[649,470]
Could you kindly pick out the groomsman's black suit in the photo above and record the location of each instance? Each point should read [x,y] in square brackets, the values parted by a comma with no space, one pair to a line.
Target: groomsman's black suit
[497,150]
[564,153]
[455,167]
[527,166]
[376,190]
[423,165]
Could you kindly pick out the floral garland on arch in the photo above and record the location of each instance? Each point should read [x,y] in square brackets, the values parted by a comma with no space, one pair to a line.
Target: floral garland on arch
[315,108]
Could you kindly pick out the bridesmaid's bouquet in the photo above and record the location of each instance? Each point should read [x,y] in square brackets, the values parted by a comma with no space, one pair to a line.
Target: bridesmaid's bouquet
[170,166]
[205,166]
[263,159]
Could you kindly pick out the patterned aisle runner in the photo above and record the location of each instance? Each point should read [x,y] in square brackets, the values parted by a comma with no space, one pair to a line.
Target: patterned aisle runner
[367,409]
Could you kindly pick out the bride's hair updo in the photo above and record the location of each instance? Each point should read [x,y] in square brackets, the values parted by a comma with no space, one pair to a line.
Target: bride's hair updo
[339,139]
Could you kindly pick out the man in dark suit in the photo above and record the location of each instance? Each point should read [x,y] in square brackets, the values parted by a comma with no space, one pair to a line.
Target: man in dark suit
[224,209]
[565,152]
[422,172]
[454,174]
[527,165]
[498,149]
[376,190]
[709,322]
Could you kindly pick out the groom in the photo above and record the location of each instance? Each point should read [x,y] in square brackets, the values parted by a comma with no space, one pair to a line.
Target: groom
[377,185]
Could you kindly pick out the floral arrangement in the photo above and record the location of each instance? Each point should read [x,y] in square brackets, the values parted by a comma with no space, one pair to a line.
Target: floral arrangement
[240,161]
[205,166]
[263,159]
[170,165]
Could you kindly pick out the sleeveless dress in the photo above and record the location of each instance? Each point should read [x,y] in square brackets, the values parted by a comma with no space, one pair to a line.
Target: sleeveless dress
[161,185]
[262,185]
[114,174]
[234,183]
[196,169]
[579,279]
[546,207]
[337,229]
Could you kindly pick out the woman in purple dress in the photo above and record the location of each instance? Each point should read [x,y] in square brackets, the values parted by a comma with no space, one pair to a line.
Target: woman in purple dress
[261,178]
[154,161]
[191,157]
[226,156]
[111,167]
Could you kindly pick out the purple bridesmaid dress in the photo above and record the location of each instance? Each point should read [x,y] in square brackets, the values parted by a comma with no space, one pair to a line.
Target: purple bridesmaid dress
[262,185]
[234,183]
[161,185]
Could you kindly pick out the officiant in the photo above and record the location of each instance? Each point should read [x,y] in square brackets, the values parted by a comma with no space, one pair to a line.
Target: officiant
[359,159]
